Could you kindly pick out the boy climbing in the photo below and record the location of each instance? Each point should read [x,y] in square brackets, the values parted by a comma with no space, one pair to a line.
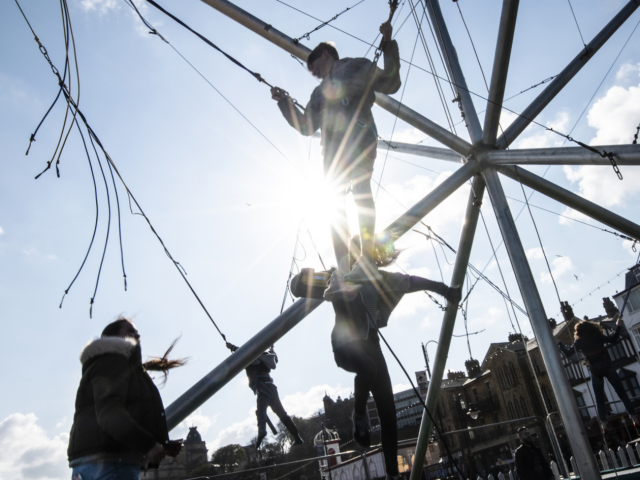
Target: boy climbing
[262,385]
[341,108]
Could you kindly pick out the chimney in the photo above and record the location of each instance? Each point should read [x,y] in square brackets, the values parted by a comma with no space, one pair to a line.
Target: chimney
[552,323]
[454,375]
[515,337]
[567,311]
[473,367]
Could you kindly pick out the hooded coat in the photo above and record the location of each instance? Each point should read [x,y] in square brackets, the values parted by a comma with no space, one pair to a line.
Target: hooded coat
[118,412]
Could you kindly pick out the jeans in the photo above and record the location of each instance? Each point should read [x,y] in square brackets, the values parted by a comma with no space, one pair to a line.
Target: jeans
[106,471]
[268,397]
[597,383]
[365,359]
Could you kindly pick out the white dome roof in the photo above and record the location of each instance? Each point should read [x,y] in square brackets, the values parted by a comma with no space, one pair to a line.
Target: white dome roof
[328,436]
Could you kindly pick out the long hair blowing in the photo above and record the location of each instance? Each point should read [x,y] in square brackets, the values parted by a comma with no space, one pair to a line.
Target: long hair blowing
[164,364]
[585,328]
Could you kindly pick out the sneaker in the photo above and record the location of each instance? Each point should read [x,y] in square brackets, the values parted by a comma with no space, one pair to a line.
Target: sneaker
[261,436]
[338,289]
[364,271]
[361,430]
[298,441]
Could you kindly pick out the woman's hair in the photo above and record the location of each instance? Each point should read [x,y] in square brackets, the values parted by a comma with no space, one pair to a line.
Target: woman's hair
[156,364]
[384,250]
[584,328]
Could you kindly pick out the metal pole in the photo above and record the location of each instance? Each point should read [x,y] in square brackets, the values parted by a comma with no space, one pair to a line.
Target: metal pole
[422,151]
[457,278]
[572,200]
[624,155]
[426,361]
[416,213]
[453,65]
[559,381]
[423,124]
[558,83]
[500,70]
[189,401]
[278,38]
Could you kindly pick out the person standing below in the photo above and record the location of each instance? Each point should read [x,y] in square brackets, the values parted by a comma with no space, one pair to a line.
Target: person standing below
[262,385]
[119,425]
[341,108]
[590,339]
[530,463]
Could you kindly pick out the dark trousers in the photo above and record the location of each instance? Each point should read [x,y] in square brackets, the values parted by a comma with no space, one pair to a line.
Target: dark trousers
[268,397]
[365,359]
[597,382]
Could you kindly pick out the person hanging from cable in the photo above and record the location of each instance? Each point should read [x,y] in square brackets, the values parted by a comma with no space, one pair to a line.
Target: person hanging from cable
[355,339]
[590,339]
[341,108]
[267,395]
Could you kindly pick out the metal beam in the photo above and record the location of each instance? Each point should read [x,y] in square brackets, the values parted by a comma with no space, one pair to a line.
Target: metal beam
[457,278]
[422,151]
[285,42]
[423,124]
[501,59]
[624,155]
[217,378]
[558,83]
[416,213]
[550,354]
[455,71]
[572,200]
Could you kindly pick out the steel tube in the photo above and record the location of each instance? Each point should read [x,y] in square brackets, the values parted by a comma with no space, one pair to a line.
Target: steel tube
[558,83]
[285,42]
[217,378]
[455,71]
[501,60]
[422,151]
[457,278]
[578,203]
[423,124]
[416,213]
[624,155]
[550,354]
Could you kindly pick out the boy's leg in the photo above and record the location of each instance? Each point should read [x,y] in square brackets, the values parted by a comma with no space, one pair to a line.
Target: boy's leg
[616,383]
[382,392]
[353,358]
[261,412]
[363,196]
[278,409]
[340,232]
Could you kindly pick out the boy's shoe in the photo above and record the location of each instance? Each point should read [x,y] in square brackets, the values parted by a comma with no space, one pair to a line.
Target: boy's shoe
[361,430]
[298,441]
[364,271]
[338,289]
[261,436]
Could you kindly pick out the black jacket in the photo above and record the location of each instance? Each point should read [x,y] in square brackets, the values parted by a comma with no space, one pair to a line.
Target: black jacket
[531,464]
[119,411]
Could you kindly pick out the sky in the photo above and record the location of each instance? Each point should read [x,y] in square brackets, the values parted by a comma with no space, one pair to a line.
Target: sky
[229,204]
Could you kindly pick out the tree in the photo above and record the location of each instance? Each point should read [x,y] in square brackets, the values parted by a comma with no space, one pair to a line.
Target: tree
[229,457]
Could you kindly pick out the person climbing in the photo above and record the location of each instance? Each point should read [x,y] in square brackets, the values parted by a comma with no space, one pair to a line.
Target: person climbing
[341,108]
[356,342]
[262,385]
[590,339]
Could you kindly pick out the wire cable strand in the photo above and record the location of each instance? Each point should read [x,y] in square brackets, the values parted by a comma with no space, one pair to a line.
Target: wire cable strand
[324,24]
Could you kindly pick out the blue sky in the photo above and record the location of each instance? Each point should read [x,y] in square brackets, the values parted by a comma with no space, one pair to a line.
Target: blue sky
[228,205]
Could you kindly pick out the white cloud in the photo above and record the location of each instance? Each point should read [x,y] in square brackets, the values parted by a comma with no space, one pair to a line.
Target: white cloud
[627,244]
[27,452]
[102,6]
[534,253]
[559,266]
[197,419]
[600,184]
[305,404]
[401,387]
[409,135]
[627,70]
[1,231]
[239,432]
[615,116]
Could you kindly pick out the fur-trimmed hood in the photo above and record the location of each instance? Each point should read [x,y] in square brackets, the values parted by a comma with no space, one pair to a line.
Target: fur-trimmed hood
[104,345]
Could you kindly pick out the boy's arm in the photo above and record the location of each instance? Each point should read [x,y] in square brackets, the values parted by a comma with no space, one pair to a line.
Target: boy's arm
[388,80]
[306,122]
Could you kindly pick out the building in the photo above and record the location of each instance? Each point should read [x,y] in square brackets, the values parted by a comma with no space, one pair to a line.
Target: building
[192,455]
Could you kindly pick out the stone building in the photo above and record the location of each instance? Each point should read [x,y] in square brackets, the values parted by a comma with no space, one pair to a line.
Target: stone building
[193,454]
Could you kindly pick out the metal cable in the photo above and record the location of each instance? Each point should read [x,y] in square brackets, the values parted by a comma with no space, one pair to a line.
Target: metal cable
[324,24]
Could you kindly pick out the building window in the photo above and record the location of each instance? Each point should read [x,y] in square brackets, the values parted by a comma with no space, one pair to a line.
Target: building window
[634,301]
[507,378]
[513,373]
[636,335]
[373,470]
[523,405]
[536,366]
[356,473]
[489,392]
[501,379]
[547,398]
[463,404]
[510,409]
[616,351]
[584,412]
[630,383]
[403,466]
[517,408]
[475,395]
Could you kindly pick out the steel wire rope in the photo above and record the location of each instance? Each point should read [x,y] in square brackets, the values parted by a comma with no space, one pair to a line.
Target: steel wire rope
[393,22]
[635,136]
[94,137]
[577,25]
[324,24]
[395,117]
